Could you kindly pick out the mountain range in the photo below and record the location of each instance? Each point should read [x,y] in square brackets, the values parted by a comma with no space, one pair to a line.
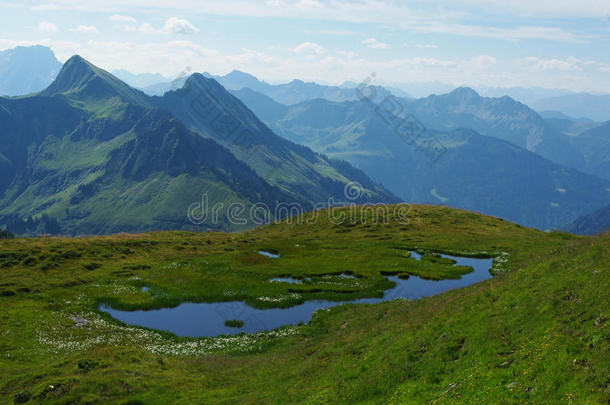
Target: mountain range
[592,106]
[575,105]
[293,92]
[457,167]
[90,154]
[502,118]
[89,138]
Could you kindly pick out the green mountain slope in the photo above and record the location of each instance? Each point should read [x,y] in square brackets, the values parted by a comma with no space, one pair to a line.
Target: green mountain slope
[87,85]
[86,153]
[92,155]
[472,171]
[207,108]
[535,333]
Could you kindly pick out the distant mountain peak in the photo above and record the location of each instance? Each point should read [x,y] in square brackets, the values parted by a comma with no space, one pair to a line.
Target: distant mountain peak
[39,49]
[464,93]
[75,73]
[81,79]
[238,73]
[27,69]
[197,80]
[237,79]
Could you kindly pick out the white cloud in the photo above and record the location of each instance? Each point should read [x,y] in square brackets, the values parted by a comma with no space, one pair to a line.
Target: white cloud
[144,28]
[426,46]
[383,11]
[173,25]
[170,57]
[333,32]
[538,64]
[130,24]
[308,48]
[374,44]
[177,25]
[46,26]
[485,61]
[534,9]
[461,17]
[123,19]
[85,29]
[505,34]
[309,5]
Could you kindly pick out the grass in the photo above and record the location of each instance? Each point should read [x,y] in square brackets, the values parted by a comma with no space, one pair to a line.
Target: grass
[536,332]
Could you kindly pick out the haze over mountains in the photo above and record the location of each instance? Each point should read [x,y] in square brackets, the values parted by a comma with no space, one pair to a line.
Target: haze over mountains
[591,224]
[91,154]
[472,171]
[575,105]
[293,92]
[502,118]
[25,70]
[33,68]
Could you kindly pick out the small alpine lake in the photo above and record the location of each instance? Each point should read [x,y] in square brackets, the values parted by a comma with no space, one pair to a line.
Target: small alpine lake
[210,319]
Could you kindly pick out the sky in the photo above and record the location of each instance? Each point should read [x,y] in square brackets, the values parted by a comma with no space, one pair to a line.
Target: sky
[480,43]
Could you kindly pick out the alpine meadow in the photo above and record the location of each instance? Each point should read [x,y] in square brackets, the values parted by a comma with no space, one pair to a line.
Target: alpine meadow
[304,202]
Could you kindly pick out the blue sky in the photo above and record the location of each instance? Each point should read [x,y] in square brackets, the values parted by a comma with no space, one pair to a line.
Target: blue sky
[496,43]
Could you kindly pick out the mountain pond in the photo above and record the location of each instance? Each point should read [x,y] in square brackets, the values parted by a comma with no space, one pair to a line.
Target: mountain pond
[208,319]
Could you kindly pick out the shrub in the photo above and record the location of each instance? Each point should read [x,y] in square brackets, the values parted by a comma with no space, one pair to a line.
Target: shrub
[30,260]
[46,266]
[6,234]
[87,365]
[22,397]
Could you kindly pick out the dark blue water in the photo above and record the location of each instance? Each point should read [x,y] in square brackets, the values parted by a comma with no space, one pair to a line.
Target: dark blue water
[207,319]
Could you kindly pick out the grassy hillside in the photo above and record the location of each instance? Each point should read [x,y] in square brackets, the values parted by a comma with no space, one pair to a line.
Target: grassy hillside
[537,331]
